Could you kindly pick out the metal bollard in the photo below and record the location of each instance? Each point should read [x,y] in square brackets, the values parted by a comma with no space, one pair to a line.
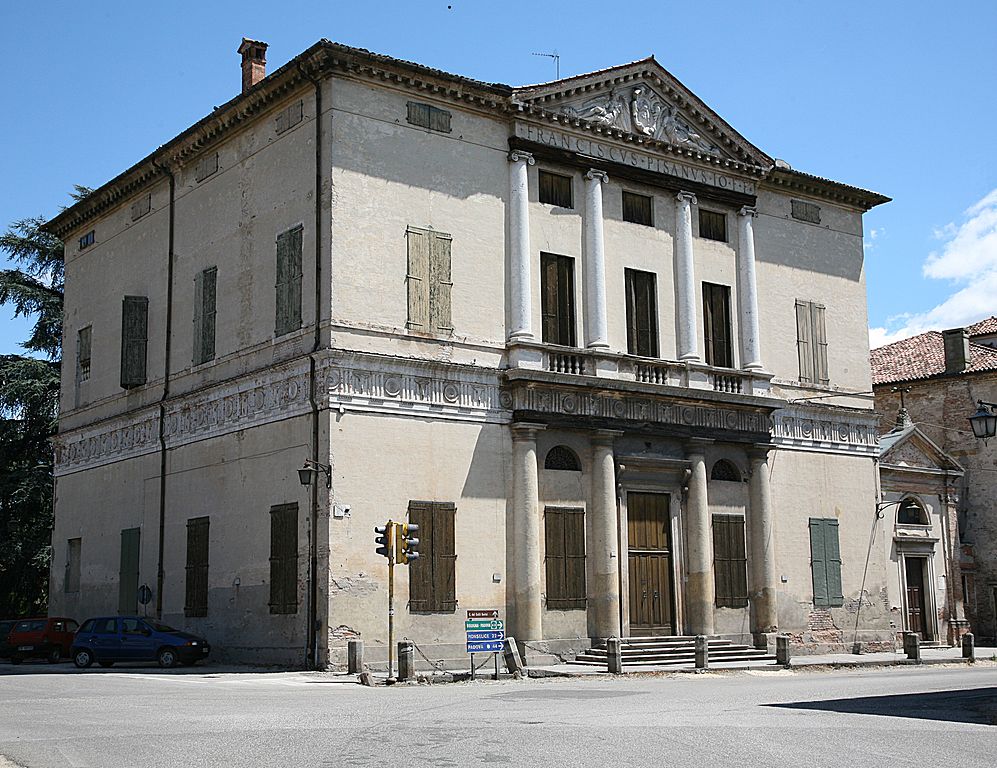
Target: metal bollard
[969,646]
[355,657]
[510,652]
[702,652]
[406,660]
[614,655]
[912,646]
[782,651]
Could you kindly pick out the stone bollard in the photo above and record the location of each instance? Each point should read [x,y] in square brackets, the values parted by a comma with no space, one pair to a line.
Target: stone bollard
[510,652]
[702,652]
[406,660]
[782,652]
[969,646]
[614,655]
[355,657]
[912,646]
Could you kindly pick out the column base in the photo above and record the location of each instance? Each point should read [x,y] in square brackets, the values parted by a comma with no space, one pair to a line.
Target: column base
[763,640]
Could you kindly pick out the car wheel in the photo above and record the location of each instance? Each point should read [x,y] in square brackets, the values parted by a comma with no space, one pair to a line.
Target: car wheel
[54,656]
[106,664]
[82,658]
[167,658]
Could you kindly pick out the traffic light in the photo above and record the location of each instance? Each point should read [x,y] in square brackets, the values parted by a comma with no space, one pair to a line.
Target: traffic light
[383,539]
[407,545]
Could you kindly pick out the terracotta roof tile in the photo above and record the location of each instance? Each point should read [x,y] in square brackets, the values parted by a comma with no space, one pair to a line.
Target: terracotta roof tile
[923,356]
[983,327]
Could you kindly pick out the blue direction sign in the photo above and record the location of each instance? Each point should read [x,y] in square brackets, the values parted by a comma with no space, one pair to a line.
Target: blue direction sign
[478,637]
[484,625]
[492,646]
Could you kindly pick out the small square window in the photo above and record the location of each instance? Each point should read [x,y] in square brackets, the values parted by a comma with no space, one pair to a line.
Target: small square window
[555,189]
[428,116]
[712,225]
[206,166]
[141,207]
[88,239]
[808,212]
[638,209]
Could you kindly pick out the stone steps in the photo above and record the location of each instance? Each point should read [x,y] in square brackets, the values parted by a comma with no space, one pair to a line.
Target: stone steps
[673,651]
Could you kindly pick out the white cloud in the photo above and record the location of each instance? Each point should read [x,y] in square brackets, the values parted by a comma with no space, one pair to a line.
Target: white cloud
[968,258]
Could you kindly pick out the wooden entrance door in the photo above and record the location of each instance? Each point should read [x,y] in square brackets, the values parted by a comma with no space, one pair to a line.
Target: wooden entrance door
[650,564]
[917,615]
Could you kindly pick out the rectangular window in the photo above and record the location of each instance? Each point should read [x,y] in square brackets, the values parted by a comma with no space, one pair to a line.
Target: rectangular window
[428,116]
[432,587]
[284,558]
[555,189]
[808,212]
[134,340]
[289,117]
[141,207]
[730,566]
[206,166]
[717,325]
[288,288]
[825,562]
[564,533]
[642,313]
[128,570]
[557,299]
[713,225]
[811,342]
[84,345]
[429,282]
[73,551]
[196,598]
[204,315]
[638,209]
[88,239]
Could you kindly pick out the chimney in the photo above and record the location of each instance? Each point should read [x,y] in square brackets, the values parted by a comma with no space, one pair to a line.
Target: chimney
[957,354]
[254,62]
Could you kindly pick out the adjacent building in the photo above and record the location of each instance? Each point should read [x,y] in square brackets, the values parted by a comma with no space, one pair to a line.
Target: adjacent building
[609,355]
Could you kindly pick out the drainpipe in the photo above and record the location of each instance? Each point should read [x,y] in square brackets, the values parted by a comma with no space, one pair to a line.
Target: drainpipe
[313,623]
[166,389]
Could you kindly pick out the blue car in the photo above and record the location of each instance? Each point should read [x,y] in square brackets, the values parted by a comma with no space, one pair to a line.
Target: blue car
[131,638]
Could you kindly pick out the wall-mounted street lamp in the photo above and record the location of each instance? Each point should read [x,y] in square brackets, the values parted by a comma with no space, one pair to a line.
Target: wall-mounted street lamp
[984,421]
[882,505]
[312,468]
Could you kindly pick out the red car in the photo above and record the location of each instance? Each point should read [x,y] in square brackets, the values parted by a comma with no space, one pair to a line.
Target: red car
[49,639]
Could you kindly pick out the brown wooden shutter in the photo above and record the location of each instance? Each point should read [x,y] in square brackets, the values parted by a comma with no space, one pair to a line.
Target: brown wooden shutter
[444,557]
[128,571]
[564,532]
[418,279]
[196,597]
[554,557]
[548,298]
[134,340]
[730,562]
[642,313]
[716,325]
[557,299]
[440,283]
[288,288]
[421,570]
[819,336]
[284,558]
[804,341]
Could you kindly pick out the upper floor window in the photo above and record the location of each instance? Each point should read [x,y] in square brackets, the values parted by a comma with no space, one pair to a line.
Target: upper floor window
[555,189]
[88,239]
[288,288]
[557,299]
[560,457]
[808,212]
[141,207]
[430,286]
[638,209]
[289,117]
[642,313]
[428,116]
[84,345]
[717,325]
[811,342]
[725,470]
[204,315]
[911,512]
[134,340]
[713,225]
[206,166]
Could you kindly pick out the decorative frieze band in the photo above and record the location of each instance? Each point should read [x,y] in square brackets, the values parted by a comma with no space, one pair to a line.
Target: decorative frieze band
[816,429]
[108,441]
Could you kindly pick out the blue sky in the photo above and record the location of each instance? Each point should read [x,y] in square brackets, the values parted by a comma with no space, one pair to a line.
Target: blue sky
[891,96]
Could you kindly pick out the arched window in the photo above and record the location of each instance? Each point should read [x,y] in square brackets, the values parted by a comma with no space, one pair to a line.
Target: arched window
[911,512]
[562,457]
[725,470]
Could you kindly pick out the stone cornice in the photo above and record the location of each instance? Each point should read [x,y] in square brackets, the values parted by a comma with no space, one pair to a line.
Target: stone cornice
[826,430]
[789,180]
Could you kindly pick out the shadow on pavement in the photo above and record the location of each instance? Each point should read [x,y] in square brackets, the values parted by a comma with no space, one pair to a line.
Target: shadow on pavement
[973,705]
[202,669]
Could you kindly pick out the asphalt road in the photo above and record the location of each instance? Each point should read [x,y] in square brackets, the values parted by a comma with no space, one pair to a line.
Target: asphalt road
[203,717]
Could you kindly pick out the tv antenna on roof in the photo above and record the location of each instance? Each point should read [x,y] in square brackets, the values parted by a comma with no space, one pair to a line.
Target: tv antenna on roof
[557,61]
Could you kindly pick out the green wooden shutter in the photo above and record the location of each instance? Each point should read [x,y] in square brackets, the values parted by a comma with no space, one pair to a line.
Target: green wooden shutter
[128,571]
[804,341]
[819,336]
[421,570]
[288,287]
[204,315]
[440,284]
[134,340]
[196,587]
[832,563]
[444,557]
[818,563]
[554,557]
[418,279]
[284,558]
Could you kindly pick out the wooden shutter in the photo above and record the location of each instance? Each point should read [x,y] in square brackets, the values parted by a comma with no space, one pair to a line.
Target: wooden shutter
[444,557]
[819,337]
[564,532]
[818,562]
[73,551]
[557,289]
[642,313]
[637,209]
[421,570]
[548,298]
[128,571]
[288,289]
[440,283]
[804,341]
[204,315]
[418,279]
[717,326]
[196,597]
[134,340]
[730,562]
[284,558]
[832,561]
[84,344]
[554,558]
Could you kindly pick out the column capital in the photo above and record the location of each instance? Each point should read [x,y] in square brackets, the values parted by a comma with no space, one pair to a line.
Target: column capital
[686,197]
[518,155]
[760,452]
[596,175]
[526,430]
[605,436]
[748,211]
[697,445]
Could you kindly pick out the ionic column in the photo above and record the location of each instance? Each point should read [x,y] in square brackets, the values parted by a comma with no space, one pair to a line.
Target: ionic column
[764,583]
[700,587]
[519,247]
[525,556]
[596,326]
[602,552]
[751,349]
[685,284]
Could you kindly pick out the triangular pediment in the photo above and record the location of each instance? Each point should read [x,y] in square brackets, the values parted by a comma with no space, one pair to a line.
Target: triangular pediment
[912,448]
[645,100]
